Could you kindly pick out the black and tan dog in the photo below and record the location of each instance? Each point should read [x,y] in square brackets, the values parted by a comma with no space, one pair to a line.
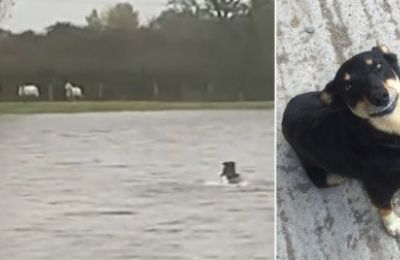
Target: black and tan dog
[229,172]
[352,129]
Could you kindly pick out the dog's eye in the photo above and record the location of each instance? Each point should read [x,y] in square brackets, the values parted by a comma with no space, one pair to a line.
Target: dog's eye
[348,87]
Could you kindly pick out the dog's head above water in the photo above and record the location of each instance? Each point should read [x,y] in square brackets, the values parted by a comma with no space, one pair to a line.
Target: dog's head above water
[368,84]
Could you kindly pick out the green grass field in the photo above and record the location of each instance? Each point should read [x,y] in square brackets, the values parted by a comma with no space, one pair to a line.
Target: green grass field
[103,106]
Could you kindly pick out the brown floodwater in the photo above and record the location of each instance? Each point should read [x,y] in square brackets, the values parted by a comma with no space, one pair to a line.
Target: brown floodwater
[136,185]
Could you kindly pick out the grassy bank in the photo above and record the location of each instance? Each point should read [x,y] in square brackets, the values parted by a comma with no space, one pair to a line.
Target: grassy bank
[102,106]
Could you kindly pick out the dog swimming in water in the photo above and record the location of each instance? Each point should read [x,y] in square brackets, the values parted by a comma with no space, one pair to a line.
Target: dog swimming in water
[230,174]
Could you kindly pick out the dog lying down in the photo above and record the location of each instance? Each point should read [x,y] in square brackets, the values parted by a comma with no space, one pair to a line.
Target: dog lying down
[352,129]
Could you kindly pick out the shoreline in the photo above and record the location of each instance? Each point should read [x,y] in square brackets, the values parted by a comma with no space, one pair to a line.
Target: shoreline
[115,106]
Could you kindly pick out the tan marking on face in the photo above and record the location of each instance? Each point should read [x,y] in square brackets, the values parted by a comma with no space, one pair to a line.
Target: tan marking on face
[386,86]
[326,98]
[369,61]
[360,108]
[392,83]
[347,77]
[389,123]
[384,48]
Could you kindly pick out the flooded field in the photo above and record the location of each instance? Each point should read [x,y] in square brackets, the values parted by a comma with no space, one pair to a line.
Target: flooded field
[136,185]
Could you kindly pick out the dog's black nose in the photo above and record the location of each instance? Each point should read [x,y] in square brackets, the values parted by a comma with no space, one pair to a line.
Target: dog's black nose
[380,98]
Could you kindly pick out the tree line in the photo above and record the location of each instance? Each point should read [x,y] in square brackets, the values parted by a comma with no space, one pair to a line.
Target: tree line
[195,50]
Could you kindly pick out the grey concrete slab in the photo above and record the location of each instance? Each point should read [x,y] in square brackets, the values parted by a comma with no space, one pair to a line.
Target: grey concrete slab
[313,39]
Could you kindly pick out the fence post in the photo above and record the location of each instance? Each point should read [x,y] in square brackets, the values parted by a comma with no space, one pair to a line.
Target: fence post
[155,90]
[210,90]
[50,91]
[100,91]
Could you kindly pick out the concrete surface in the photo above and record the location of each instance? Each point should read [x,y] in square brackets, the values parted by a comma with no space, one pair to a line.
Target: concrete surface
[313,39]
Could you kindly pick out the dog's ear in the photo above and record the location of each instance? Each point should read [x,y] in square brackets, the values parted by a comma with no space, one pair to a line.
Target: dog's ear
[330,94]
[389,56]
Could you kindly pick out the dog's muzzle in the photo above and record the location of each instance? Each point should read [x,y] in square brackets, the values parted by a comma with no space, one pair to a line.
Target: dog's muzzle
[389,108]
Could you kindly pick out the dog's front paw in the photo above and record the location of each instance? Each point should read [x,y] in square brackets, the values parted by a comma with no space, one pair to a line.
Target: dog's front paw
[391,222]
[334,179]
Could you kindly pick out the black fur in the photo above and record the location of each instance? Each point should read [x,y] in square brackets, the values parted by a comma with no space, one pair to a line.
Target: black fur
[229,171]
[329,138]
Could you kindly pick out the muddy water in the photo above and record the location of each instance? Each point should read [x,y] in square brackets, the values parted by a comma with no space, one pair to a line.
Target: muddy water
[137,185]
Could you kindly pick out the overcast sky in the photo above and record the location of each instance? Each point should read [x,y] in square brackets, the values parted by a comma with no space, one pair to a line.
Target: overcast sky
[38,14]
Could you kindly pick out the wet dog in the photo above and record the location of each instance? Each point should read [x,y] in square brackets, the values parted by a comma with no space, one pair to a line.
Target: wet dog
[229,172]
[352,129]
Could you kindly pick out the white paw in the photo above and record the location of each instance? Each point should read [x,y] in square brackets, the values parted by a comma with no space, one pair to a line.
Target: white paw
[392,224]
[334,180]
